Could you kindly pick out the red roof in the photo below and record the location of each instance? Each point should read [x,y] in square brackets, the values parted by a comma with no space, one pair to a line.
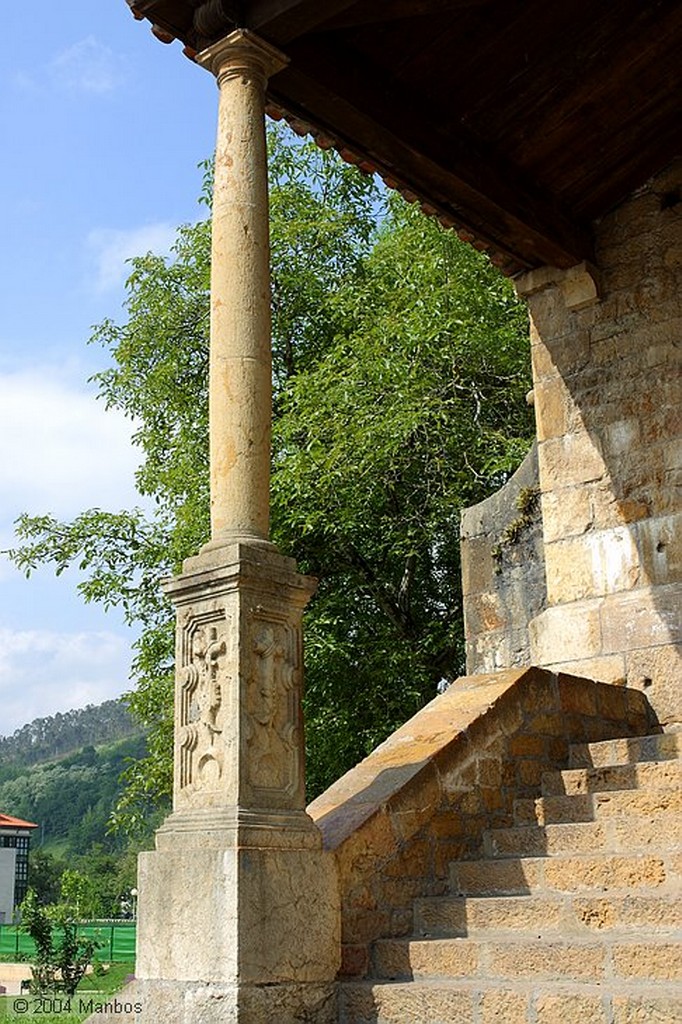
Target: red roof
[7,822]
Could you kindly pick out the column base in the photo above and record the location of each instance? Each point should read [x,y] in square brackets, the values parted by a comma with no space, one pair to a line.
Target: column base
[224,828]
[229,932]
[152,1002]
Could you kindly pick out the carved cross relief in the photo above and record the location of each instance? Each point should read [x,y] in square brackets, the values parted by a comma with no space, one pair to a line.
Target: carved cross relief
[202,706]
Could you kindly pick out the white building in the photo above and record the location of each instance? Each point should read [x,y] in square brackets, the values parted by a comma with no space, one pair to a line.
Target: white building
[15,837]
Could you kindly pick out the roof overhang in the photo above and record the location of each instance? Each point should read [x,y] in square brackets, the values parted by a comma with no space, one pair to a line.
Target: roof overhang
[519,122]
[12,825]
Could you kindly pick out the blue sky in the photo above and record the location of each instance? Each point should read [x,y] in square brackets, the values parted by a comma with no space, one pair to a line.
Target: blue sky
[102,130]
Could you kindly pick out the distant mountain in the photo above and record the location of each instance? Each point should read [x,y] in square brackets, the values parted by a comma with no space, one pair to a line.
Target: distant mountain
[63,773]
[46,739]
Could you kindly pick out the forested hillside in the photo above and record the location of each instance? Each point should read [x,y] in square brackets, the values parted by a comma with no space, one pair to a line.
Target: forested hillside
[45,739]
[70,798]
[64,774]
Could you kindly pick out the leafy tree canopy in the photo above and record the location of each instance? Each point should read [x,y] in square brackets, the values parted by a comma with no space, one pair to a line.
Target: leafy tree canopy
[400,369]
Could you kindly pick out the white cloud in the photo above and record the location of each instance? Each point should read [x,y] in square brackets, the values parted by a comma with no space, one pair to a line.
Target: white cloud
[89,66]
[42,672]
[111,248]
[61,451]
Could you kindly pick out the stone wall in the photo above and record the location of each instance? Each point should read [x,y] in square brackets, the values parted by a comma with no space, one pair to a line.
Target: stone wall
[503,572]
[426,795]
[606,348]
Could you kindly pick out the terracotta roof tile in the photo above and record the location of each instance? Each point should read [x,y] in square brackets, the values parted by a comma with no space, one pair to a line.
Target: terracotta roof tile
[6,821]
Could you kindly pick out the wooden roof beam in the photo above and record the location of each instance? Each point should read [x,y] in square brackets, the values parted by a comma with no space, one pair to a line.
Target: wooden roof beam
[377,11]
[280,21]
[456,169]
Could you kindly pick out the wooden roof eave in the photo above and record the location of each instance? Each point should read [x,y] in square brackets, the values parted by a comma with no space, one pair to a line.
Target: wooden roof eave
[452,172]
[376,123]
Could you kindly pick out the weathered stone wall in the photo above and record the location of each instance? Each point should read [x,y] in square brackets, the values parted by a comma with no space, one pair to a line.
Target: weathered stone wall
[426,795]
[503,572]
[608,400]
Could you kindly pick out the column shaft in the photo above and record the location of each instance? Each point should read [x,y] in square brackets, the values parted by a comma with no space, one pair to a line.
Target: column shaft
[240,356]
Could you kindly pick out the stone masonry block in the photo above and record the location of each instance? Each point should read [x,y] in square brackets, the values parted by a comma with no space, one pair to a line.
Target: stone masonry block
[632,1009]
[645,833]
[527,746]
[556,412]
[657,672]
[409,1003]
[576,695]
[573,459]
[432,958]
[410,809]
[592,1009]
[577,874]
[354,960]
[566,512]
[503,1007]
[659,960]
[477,565]
[609,669]
[485,613]
[591,565]
[646,617]
[567,633]
[660,543]
[546,960]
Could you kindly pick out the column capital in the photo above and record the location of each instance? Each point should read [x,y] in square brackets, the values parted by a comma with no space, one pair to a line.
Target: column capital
[242,53]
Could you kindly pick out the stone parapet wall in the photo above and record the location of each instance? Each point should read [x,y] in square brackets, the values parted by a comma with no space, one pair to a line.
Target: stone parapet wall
[503,572]
[426,796]
[606,352]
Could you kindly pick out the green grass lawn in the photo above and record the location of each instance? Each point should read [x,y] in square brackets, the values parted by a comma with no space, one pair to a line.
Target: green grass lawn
[115,941]
[60,1009]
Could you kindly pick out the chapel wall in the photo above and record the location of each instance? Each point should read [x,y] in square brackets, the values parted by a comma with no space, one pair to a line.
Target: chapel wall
[608,402]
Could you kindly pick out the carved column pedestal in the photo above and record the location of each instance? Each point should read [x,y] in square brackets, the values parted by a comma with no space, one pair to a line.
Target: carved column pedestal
[238,910]
[238,913]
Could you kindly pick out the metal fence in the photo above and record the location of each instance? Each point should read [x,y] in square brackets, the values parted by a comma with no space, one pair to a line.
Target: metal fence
[116,941]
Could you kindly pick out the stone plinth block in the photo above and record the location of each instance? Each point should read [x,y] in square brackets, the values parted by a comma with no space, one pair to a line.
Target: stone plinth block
[229,914]
[144,1002]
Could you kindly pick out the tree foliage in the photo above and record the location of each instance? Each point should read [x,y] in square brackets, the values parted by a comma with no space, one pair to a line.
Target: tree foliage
[400,368]
[72,798]
[62,956]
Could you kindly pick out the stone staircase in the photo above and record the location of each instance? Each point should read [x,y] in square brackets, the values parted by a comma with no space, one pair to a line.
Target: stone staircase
[573,916]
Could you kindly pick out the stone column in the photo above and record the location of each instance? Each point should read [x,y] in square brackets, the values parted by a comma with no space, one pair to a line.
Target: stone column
[240,360]
[238,913]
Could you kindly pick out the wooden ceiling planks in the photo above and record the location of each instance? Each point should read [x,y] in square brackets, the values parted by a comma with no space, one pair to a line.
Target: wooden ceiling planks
[483,178]
[521,119]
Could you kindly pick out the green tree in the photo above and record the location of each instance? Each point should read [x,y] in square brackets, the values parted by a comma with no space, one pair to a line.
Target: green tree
[62,958]
[45,872]
[400,369]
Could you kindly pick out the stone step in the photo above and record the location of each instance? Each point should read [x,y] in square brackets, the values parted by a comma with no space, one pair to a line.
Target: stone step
[661,747]
[550,915]
[632,804]
[615,835]
[655,871]
[461,1002]
[652,775]
[521,958]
